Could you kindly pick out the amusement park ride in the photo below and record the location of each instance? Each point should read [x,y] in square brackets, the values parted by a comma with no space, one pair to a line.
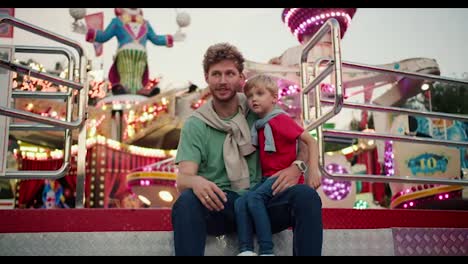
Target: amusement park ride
[125,144]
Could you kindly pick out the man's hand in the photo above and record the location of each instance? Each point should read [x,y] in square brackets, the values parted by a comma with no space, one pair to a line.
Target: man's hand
[209,194]
[286,178]
[314,180]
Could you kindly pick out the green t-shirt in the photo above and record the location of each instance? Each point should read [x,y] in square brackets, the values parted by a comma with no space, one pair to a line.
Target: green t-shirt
[203,145]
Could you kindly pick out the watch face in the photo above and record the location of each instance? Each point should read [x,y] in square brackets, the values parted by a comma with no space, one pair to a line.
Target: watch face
[301,165]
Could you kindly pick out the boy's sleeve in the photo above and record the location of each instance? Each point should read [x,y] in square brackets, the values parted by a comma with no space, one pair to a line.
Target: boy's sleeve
[287,127]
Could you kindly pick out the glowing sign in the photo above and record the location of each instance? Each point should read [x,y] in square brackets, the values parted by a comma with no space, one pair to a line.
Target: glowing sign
[428,163]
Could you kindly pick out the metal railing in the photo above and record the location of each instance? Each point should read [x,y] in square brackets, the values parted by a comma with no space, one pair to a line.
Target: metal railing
[77,81]
[335,64]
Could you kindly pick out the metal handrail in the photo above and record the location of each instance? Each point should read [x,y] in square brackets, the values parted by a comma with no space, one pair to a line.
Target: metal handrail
[47,34]
[42,32]
[332,26]
[463,118]
[34,73]
[36,126]
[44,95]
[381,178]
[379,136]
[28,175]
[34,117]
[47,50]
[338,103]
[324,74]
[414,75]
[82,86]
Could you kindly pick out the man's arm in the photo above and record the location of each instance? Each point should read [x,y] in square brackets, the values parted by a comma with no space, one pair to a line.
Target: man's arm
[303,152]
[209,194]
[187,172]
[313,174]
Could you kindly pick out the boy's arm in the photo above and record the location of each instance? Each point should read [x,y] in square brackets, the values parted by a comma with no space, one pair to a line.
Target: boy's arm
[312,176]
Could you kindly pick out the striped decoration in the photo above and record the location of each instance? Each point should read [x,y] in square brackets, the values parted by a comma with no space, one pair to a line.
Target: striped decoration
[131,65]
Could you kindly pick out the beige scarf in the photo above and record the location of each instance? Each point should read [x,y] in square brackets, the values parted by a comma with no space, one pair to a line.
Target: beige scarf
[237,144]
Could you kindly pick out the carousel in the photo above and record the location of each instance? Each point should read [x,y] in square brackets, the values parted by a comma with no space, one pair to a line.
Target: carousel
[133,128]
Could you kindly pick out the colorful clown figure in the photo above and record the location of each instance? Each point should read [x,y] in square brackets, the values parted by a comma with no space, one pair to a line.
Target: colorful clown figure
[52,195]
[129,72]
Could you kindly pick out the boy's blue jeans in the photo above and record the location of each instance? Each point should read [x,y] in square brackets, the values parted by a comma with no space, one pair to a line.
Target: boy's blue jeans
[251,210]
[298,207]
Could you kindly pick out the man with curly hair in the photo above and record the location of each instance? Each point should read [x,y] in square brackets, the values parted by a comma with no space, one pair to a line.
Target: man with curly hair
[217,163]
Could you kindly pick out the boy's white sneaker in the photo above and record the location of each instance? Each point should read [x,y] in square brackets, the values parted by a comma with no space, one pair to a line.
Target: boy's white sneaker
[247,253]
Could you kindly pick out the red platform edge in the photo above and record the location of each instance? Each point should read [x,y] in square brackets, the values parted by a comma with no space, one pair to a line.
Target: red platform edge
[106,220]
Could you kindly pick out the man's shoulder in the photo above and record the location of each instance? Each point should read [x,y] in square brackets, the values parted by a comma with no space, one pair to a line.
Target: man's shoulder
[194,122]
[195,125]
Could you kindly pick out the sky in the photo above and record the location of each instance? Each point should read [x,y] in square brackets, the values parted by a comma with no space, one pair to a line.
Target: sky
[376,36]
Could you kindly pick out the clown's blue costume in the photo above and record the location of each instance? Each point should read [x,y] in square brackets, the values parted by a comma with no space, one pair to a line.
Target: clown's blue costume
[130,67]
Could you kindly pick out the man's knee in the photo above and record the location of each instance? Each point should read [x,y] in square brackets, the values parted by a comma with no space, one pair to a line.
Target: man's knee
[187,200]
[306,195]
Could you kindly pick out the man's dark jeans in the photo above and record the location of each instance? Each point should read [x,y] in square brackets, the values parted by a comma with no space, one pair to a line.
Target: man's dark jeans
[298,207]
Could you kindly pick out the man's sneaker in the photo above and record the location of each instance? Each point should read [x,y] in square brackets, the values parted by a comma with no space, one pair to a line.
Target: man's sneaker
[247,253]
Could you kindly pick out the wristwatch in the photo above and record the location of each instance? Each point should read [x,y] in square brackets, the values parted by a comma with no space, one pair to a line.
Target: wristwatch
[301,165]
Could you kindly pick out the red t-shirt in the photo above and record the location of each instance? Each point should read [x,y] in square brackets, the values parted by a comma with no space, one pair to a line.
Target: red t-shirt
[285,133]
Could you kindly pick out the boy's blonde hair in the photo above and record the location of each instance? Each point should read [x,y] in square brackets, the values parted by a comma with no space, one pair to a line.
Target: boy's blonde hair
[262,81]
